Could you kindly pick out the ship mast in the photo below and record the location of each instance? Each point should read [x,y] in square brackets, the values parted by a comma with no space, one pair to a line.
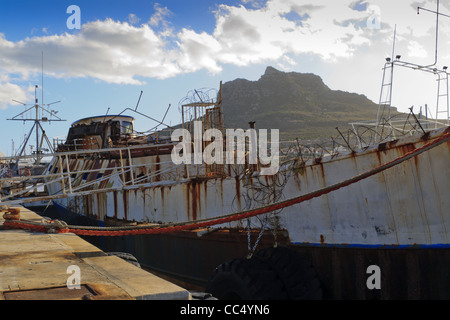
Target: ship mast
[46,116]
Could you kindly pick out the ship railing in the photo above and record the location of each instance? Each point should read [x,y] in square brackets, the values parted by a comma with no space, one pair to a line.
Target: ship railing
[65,176]
[58,141]
[141,181]
[377,132]
[86,143]
[65,182]
[89,151]
[62,164]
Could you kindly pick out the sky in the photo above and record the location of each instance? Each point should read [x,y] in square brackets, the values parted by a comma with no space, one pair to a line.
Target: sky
[98,59]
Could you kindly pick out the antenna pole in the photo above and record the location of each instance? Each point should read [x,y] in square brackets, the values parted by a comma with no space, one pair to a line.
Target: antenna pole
[36,121]
[135,109]
[393,44]
[437,28]
[42,100]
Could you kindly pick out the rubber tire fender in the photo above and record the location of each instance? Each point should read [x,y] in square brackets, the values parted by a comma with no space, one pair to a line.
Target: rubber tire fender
[128,257]
[245,279]
[296,272]
[271,274]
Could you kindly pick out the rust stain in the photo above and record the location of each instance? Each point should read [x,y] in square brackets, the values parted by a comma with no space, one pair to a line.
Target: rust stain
[221,191]
[144,195]
[86,206]
[125,203]
[378,156]
[382,146]
[99,205]
[407,148]
[416,162]
[115,204]
[158,165]
[195,199]
[188,201]
[425,136]
[238,192]
[297,181]
[322,239]
[322,172]
[205,190]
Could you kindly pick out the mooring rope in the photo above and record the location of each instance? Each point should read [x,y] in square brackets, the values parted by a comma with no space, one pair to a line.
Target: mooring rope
[57,226]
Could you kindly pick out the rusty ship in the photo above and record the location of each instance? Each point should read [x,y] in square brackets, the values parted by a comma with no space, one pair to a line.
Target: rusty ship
[366,218]
[381,204]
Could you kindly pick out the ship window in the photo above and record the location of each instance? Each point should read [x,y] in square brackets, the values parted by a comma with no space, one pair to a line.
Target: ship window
[127,127]
[115,129]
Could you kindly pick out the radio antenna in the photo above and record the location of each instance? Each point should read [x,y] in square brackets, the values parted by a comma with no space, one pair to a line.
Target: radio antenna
[42,74]
[41,115]
[437,29]
[135,109]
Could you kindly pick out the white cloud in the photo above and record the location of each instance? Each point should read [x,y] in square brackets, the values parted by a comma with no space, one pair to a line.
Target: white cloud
[9,91]
[133,19]
[119,52]
[160,15]
[159,20]
[415,49]
[111,51]
[197,51]
[328,29]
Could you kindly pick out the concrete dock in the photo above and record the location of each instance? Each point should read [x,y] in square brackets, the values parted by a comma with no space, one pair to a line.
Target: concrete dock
[63,266]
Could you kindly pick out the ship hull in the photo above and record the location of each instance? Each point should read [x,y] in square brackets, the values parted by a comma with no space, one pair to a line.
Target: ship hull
[398,220]
[188,259]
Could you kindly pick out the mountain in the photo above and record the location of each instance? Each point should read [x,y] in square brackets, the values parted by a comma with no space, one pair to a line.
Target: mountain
[300,105]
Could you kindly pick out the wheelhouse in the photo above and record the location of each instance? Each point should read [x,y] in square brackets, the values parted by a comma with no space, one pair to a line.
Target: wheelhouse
[100,132]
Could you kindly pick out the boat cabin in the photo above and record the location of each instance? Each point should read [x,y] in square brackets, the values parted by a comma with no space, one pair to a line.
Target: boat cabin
[100,132]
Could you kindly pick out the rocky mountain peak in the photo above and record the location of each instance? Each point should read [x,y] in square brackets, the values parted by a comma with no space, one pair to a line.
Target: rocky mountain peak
[299,104]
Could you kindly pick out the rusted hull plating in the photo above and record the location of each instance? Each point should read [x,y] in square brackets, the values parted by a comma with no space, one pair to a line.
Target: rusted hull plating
[407,204]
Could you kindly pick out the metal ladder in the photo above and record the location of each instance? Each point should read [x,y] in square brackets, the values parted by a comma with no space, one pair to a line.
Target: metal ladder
[385,94]
[442,103]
